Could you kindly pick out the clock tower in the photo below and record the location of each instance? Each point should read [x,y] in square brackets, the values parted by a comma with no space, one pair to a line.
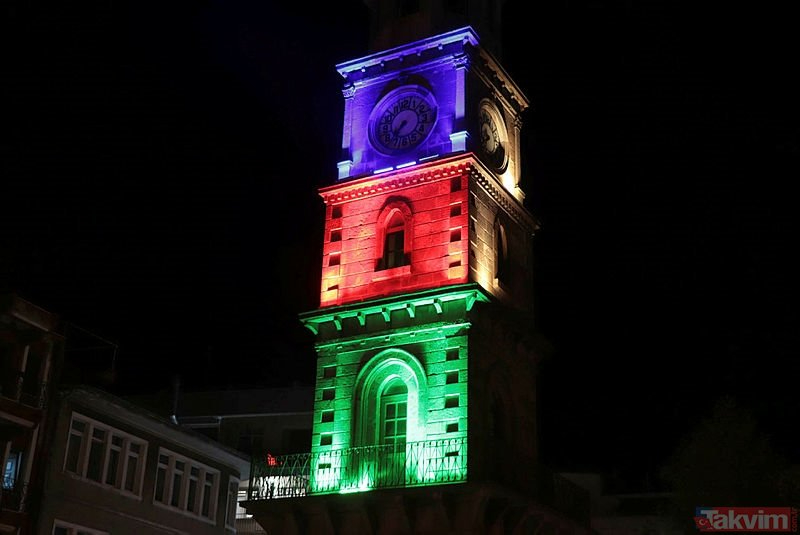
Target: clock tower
[426,343]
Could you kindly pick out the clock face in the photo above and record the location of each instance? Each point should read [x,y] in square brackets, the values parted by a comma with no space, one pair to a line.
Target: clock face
[492,135]
[402,120]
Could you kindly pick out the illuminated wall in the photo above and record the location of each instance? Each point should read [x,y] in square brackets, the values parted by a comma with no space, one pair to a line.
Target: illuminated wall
[437,64]
[433,201]
[416,238]
[419,340]
[454,208]
[468,366]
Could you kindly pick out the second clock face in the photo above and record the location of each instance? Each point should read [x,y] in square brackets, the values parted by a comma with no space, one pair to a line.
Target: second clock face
[492,135]
[402,120]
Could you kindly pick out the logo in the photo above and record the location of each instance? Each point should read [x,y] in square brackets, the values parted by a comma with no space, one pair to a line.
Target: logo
[751,519]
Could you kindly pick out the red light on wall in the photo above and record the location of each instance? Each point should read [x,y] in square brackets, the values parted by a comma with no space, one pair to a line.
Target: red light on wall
[397,234]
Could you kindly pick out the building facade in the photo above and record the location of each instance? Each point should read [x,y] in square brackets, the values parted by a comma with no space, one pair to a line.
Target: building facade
[31,348]
[264,422]
[427,350]
[114,467]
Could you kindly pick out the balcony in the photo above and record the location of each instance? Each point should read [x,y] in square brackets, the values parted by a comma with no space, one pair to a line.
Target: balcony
[430,462]
[11,383]
[17,386]
[433,462]
[14,495]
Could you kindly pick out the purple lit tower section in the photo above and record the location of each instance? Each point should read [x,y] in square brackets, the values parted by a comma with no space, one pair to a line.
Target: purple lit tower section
[449,75]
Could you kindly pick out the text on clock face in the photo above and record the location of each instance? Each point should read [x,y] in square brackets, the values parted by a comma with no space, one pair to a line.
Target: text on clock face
[406,122]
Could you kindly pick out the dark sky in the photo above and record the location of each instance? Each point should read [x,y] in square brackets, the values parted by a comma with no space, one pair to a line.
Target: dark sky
[159,165]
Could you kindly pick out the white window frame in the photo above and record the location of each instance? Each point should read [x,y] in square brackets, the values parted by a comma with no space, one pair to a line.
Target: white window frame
[11,470]
[75,529]
[167,465]
[232,505]
[241,512]
[125,450]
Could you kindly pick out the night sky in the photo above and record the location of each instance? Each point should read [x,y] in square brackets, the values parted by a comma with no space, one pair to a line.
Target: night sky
[159,164]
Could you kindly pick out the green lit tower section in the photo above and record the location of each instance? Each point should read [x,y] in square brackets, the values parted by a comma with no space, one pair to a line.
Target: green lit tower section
[426,368]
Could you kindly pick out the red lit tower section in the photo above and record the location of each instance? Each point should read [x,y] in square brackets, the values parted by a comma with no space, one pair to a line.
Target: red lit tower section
[443,223]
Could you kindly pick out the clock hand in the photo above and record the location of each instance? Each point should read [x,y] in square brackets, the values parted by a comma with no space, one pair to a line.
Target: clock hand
[402,124]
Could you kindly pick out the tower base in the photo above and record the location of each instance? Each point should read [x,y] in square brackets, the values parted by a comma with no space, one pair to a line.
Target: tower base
[458,509]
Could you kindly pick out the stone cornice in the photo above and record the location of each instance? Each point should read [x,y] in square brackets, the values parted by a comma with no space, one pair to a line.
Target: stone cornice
[395,180]
[387,62]
[429,172]
[381,309]
[461,48]
[486,179]
[495,76]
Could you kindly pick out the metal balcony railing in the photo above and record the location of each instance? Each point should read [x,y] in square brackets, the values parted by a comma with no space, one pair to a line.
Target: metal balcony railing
[373,467]
[14,495]
[34,394]
[16,386]
[358,469]
[10,383]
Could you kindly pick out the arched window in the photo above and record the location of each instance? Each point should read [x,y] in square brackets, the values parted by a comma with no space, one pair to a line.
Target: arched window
[390,400]
[393,235]
[501,260]
[394,415]
[389,414]
[393,244]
